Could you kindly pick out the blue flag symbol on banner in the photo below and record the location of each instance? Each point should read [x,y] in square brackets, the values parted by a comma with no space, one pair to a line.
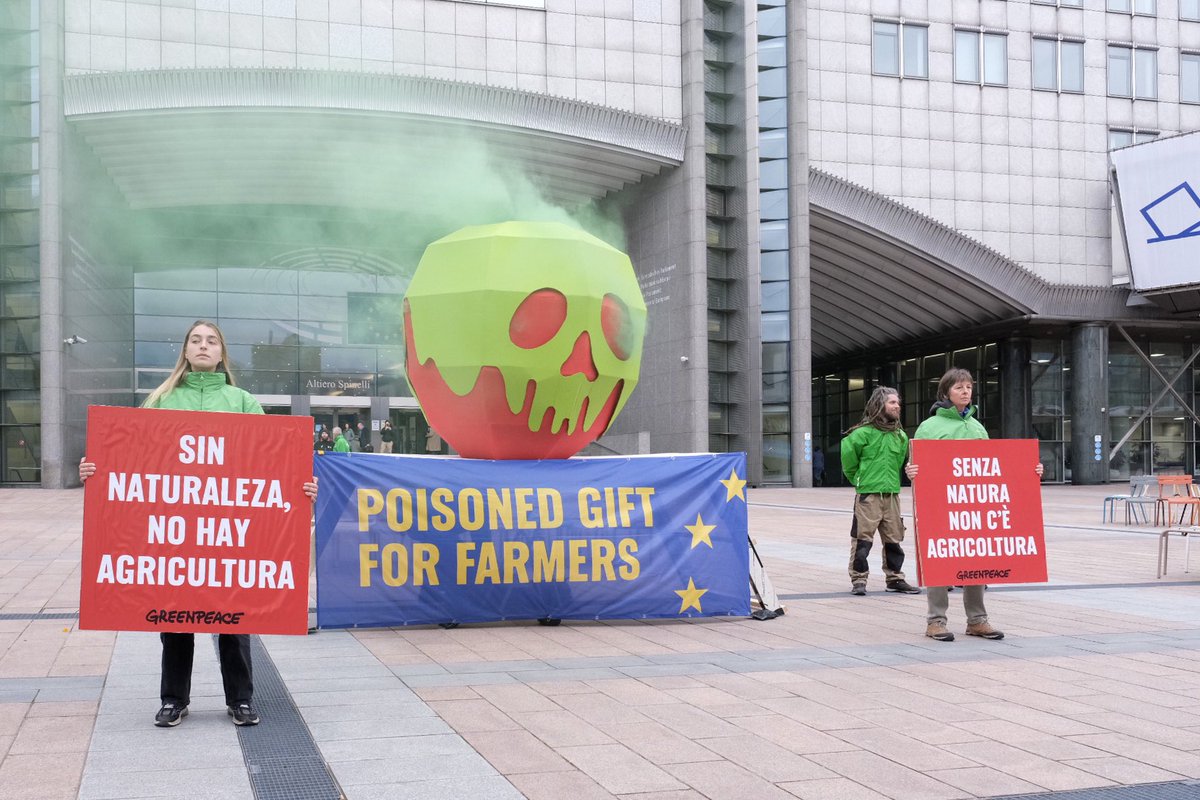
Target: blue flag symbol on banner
[409,540]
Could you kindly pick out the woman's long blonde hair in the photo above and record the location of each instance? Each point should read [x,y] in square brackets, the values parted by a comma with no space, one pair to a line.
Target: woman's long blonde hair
[182,367]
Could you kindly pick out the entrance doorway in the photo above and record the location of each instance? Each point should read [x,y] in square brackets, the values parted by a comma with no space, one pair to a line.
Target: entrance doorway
[412,433]
[326,419]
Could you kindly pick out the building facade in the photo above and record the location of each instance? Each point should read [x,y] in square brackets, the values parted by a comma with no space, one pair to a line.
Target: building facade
[818,197]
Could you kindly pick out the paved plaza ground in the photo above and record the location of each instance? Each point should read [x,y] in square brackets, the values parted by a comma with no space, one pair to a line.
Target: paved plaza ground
[1097,684]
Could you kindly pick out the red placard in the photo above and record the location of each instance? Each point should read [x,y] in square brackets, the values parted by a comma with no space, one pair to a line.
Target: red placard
[196,521]
[978,510]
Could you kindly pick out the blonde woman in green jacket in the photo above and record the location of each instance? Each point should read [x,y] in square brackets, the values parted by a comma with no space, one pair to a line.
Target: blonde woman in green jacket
[202,381]
[953,417]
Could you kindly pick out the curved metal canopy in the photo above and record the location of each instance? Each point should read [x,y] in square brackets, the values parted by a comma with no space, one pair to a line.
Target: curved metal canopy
[266,136]
[883,274]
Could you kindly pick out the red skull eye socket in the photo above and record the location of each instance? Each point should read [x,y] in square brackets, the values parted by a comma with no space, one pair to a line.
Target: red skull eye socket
[538,318]
[617,326]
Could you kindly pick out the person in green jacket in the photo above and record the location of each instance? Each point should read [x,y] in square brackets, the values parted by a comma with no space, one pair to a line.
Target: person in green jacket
[953,417]
[202,381]
[873,452]
[340,445]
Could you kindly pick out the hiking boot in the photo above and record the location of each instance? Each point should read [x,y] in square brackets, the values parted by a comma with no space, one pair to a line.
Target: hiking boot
[985,630]
[858,589]
[937,630]
[243,714]
[170,715]
[902,586]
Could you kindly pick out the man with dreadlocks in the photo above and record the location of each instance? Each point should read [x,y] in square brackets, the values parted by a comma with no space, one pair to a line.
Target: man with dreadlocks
[873,453]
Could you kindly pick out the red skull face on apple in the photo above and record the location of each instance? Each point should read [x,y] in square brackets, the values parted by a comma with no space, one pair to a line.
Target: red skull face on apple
[523,340]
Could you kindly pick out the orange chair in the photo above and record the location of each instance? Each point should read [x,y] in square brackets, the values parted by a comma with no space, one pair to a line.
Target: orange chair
[1176,491]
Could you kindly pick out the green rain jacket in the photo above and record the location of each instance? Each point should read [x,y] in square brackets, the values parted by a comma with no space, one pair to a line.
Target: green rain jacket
[947,423]
[871,459]
[209,391]
[340,445]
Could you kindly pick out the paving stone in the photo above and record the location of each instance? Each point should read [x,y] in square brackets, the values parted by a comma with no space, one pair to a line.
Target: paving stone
[887,778]
[559,728]
[513,752]
[472,715]
[829,789]
[218,783]
[476,788]
[560,786]
[1123,770]
[619,769]
[721,780]
[1026,766]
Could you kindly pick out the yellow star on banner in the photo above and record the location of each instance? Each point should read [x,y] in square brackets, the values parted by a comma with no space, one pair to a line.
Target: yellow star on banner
[691,597]
[734,486]
[700,532]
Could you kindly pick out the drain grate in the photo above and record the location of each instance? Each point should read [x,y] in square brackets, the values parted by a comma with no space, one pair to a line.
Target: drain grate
[281,757]
[1176,790]
[36,616]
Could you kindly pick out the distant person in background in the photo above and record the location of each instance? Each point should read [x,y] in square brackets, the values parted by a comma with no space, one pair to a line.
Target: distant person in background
[953,417]
[323,443]
[340,445]
[818,466]
[433,442]
[387,437]
[351,436]
[363,434]
[873,453]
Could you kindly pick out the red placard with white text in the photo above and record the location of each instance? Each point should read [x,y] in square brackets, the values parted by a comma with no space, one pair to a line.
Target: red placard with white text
[196,522]
[978,510]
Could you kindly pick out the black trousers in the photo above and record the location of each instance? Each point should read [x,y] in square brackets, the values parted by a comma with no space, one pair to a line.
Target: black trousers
[236,670]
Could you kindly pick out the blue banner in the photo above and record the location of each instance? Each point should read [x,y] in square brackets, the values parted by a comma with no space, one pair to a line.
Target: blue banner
[414,540]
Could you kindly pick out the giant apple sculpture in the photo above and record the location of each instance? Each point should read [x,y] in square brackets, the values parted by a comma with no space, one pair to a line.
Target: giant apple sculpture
[523,339]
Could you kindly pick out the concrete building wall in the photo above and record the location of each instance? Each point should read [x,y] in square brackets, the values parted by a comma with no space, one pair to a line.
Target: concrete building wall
[1023,171]
[620,53]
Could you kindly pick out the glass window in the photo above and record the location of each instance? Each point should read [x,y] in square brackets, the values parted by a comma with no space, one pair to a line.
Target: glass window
[773,143]
[775,357]
[776,419]
[1132,72]
[966,56]
[916,51]
[772,22]
[995,59]
[1118,138]
[1142,7]
[777,458]
[885,49]
[1145,73]
[775,327]
[973,50]
[775,296]
[1189,77]
[772,83]
[775,387]
[1120,71]
[774,235]
[1189,9]
[772,113]
[1071,56]
[773,53]
[774,266]
[773,204]
[1045,64]
[772,174]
